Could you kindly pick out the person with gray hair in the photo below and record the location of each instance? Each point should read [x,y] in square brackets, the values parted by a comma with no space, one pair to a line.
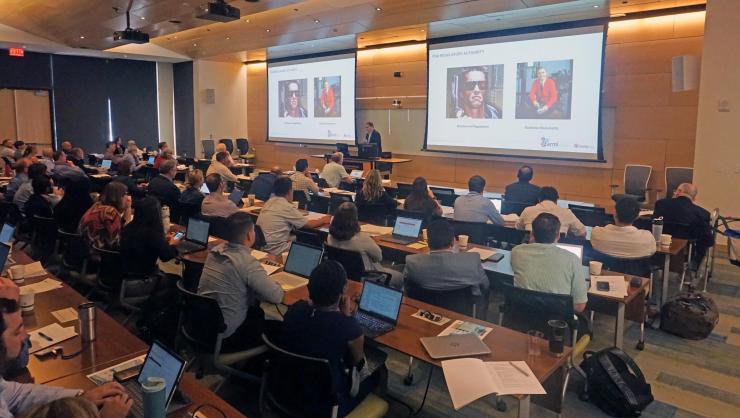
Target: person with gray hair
[334,172]
[682,209]
[163,186]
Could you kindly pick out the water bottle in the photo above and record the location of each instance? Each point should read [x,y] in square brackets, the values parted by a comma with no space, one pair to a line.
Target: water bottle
[153,391]
[657,228]
[87,318]
[166,219]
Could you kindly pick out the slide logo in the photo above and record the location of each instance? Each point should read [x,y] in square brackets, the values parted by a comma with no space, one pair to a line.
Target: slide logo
[547,142]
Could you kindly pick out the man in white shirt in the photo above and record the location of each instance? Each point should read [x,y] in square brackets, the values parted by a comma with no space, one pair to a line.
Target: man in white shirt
[622,240]
[334,172]
[278,217]
[569,224]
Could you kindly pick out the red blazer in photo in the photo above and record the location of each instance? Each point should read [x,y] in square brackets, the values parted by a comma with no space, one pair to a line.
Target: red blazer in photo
[544,96]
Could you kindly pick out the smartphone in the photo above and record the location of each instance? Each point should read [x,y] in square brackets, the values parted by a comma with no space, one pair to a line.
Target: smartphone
[602,286]
[495,258]
[179,235]
[128,374]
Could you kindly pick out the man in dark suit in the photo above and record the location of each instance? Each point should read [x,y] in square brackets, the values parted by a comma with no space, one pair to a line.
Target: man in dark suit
[681,209]
[523,191]
[263,184]
[163,187]
[372,136]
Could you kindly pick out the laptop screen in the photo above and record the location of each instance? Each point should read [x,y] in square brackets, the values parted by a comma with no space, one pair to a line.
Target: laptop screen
[407,227]
[356,174]
[302,259]
[197,230]
[106,164]
[4,251]
[497,204]
[161,363]
[150,161]
[236,195]
[7,233]
[381,301]
[204,189]
[575,249]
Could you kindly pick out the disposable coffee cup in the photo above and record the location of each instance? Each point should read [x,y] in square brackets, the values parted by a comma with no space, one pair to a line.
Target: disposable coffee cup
[250,198]
[27,299]
[665,239]
[18,273]
[463,240]
[594,267]
[425,234]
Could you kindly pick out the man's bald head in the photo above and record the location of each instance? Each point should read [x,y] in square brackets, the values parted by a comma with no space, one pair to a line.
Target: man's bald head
[276,170]
[688,190]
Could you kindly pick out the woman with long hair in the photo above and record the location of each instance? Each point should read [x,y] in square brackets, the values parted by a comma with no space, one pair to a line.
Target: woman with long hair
[422,200]
[101,225]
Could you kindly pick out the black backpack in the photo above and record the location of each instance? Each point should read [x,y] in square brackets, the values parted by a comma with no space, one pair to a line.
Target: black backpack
[615,383]
[689,315]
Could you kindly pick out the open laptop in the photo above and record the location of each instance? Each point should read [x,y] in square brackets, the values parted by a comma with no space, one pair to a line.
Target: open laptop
[236,196]
[405,231]
[378,310]
[196,237]
[150,161]
[105,165]
[159,362]
[302,259]
[4,252]
[6,234]
[455,345]
[356,174]
[497,204]
[575,249]
[204,189]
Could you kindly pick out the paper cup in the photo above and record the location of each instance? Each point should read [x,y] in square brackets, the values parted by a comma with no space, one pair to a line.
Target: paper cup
[27,299]
[425,234]
[594,267]
[250,198]
[665,239]
[18,273]
[463,240]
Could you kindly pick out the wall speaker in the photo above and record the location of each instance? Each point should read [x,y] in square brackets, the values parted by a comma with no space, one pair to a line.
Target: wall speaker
[685,73]
[210,96]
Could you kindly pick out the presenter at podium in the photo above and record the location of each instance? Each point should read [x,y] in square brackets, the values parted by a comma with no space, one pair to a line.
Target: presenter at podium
[372,136]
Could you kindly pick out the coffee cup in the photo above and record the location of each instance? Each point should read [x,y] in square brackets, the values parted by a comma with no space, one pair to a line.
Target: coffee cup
[27,299]
[594,267]
[18,273]
[425,234]
[665,239]
[463,240]
[250,198]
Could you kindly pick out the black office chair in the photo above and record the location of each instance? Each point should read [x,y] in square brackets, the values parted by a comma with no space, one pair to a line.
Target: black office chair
[187,211]
[209,148]
[476,231]
[322,183]
[674,176]
[203,165]
[303,387]
[336,199]
[218,226]
[589,216]
[77,264]
[191,272]
[246,185]
[374,214]
[109,273]
[300,197]
[309,237]
[460,300]
[509,207]
[229,144]
[504,237]
[403,190]
[319,204]
[259,241]
[43,238]
[242,144]
[446,196]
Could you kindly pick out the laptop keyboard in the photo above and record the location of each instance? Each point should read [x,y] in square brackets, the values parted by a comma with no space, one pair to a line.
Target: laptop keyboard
[187,246]
[372,327]
[134,390]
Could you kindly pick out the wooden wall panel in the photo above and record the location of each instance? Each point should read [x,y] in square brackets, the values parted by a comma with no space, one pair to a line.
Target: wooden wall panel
[7,115]
[33,116]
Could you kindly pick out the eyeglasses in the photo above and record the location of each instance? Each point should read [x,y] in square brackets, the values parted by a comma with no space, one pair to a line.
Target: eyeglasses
[430,316]
[470,85]
[292,94]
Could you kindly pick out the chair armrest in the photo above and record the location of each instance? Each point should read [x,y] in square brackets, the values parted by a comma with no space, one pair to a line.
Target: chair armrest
[582,318]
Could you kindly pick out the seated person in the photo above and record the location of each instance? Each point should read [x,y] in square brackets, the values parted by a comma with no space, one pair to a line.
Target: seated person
[25,190]
[21,176]
[523,191]
[334,172]
[78,159]
[302,180]
[544,267]
[221,147]
[163,186]
[74,204]
[78,407]
[421,200]
[161,157]
[443,268]
[237,281]
[124,177]
[474,207]
[39,204]
[20,397]
[344,233]
[221,167]
[47,159]
[101,225]
[374,195]
[193,183]
[323,327]
[216,203]
[143,241]
[262,185]
[65,170]
[681,209]
[569,224]
[278,217]
[133,156]
[112,153]
[622,240]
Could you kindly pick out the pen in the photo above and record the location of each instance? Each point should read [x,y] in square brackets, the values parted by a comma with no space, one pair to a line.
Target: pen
[522,371]
[41,334]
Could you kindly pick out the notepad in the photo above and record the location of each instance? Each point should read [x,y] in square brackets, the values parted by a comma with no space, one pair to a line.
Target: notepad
[469,379]
[417,245]
[375,229]
[484,254]
[269,268]
[34,270]
[65,315]
[617,286]
[43,286]
[54,334]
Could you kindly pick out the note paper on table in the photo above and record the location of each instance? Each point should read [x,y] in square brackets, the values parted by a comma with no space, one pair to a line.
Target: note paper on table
[483,252]
[52,334]
[43,286]
[65,315]
[34,270]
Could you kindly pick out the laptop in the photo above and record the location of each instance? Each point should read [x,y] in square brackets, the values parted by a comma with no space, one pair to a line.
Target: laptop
[378,310]
[497,204]
[150,161]
[6,234]
[455,345]
[159,362]
[405,231]
[356,174]
[575,249]
[105,165]
[236,196]
[204,189]
[302,259]
[4,252]
[196,237]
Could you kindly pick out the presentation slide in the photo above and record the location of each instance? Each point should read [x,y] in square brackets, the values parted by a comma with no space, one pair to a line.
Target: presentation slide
[534,94]
[312,100]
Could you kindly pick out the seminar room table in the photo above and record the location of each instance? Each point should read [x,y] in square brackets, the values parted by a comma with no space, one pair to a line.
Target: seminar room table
[113,345]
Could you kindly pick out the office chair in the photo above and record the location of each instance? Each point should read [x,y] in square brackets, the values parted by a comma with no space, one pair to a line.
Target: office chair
[209,148]
[404,189]
[229,144]
[336,199]
[309,237]
[242,144]
[76,261]
[300,197]
[191,272]
[636,178]
[375,214]
[319,204]
[589,216]
[446,196]
[218,227]
[203,165]
[525,310]
[259,241]
[509,207]
[354,265]
[504,237]
[674,176]
[303,387]
[476,231]
[460,300]
[684,231]
[43,238]
[187,211]
[200,326]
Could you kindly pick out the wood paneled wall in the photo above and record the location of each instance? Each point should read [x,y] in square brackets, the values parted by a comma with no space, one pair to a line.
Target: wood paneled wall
[25,115]
[654,125]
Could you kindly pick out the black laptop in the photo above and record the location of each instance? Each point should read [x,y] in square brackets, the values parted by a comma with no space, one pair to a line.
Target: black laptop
[378,310]
[405,231]
[196,237]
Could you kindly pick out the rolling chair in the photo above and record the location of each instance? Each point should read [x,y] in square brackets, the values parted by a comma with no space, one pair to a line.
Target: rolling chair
[374,214]
[684,231]
[460,300]
[589,216]
[504,237]
[404,189]
[510,206]
[218,227]
[446,196]
[336,199]
[636,178]
[674,176]
[354,265]
[302,387]
[229,144]
[300,197]
[242,144]
[208,148]
[476,231]
[43,238]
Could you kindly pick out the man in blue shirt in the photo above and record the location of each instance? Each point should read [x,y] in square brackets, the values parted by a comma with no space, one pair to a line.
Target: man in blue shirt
[474,207]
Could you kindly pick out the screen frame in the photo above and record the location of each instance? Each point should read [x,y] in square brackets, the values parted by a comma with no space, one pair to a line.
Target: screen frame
[604,22]
[314,142]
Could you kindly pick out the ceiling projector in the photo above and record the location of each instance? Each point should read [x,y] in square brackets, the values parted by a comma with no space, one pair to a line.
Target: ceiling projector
[131,36]
[220,11]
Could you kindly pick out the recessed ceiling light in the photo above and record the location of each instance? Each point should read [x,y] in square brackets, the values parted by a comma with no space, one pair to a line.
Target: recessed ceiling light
[422,30]
[143,18]
[316,21]
[378,9]
[228,37]
[246,20]
[267,30]
[82,36]
[195,44]
[596,6]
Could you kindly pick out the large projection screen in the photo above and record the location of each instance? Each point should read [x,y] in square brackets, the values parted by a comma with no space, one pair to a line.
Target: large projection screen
[312,100]
[531,94]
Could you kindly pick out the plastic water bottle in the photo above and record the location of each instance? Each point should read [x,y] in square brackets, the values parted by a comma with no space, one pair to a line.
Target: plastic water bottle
[657,228]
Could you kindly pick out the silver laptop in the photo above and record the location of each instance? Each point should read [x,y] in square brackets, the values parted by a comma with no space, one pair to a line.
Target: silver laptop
[497,204]
[196,237]
[302,259]
[405,231]
[204,189]
[356,174]
[575,249]
[455,345]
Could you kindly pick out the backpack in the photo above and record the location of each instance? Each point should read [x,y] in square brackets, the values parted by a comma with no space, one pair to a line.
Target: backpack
[690,315]
[615,383]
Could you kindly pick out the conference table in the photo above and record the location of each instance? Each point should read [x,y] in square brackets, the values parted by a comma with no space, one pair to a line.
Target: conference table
[113,345]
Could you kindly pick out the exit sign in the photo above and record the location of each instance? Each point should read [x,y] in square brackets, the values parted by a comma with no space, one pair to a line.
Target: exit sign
[17,52]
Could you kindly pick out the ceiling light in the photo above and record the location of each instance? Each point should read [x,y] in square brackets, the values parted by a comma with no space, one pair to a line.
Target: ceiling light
[596,6]
[316,21]
[195,44]
[422,30]
[246,21]
[378,9]
[228,37]
[82,36]
[267,30]
[143,18]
